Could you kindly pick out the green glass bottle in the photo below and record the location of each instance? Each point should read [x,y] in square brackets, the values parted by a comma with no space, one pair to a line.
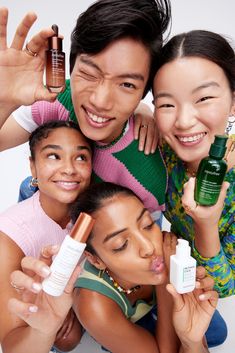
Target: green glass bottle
[211,173]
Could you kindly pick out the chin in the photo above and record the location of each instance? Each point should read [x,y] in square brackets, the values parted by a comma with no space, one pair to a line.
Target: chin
[160,278]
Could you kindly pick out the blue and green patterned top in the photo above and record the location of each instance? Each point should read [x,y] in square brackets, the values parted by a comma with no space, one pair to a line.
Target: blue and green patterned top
[222,266]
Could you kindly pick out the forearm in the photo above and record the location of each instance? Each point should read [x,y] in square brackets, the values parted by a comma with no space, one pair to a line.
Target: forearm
[220,269]
[5,112]
[24,339]
[207,240]
[165,333]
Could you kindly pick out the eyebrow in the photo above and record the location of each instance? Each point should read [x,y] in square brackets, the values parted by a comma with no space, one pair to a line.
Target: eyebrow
[114,234]
[134,76]
[205,85]
[163,94]
[58,147]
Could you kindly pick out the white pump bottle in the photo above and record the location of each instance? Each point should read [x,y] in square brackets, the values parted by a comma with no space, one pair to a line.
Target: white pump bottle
[183,268]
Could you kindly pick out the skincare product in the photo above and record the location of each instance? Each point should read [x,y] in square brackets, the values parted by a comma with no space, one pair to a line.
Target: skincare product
[55,63]
[183,268]
[211,173]
[68,256]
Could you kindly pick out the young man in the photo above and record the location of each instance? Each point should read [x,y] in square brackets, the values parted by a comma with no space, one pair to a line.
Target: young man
[111,65]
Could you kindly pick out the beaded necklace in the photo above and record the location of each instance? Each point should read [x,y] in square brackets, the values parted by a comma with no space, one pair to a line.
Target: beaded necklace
[119,288]
[103,146]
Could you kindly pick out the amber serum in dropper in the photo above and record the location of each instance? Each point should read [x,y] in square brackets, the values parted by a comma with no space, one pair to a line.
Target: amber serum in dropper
[55,63]
[68,256]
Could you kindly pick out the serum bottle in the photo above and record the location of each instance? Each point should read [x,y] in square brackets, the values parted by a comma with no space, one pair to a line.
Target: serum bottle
[211,173]
[55,63]
[183,268]
[68,256]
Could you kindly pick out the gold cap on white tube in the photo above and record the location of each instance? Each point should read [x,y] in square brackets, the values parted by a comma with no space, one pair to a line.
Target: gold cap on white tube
[82,227]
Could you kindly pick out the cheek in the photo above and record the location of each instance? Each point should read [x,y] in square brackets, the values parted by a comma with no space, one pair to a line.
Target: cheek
[213,119]
[158,242]
[44,171]
[164,123]
[86,172]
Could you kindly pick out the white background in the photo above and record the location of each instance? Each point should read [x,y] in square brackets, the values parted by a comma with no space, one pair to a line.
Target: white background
[216,15]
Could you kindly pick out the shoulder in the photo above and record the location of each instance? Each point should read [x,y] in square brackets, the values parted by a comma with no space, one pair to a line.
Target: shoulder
[17,210]
[21,224]
[102,309]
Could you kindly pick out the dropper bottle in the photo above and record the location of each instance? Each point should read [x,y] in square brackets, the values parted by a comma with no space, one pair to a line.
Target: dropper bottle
[211,173]
[55,63]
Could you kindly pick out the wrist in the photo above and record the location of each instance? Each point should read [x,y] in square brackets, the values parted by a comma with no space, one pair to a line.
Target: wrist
[48,336]
[193,347]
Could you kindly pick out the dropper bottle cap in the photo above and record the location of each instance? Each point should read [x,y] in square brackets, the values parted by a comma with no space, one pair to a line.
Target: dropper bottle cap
[218,147]
[82,227]
[55,42]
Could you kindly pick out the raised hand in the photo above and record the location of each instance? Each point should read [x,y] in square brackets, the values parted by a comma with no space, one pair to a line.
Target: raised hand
[39,310]
[21,70]
[192,312]
[145,129]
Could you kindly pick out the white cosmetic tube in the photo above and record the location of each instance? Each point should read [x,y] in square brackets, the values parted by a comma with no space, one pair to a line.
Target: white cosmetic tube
[68,256]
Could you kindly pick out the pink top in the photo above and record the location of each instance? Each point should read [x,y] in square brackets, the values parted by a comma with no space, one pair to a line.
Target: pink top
[29,227]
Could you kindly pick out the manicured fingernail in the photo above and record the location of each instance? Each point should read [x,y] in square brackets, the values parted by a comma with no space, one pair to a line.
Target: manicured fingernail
[33,308]
[37,287]
[141,148]
[45,271]
[146,153]
[202,296]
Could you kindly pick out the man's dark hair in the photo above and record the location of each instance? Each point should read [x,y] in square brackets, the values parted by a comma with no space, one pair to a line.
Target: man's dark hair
[109,20]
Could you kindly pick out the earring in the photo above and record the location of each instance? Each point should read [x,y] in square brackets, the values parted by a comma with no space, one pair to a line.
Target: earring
[34,182]
[231,121]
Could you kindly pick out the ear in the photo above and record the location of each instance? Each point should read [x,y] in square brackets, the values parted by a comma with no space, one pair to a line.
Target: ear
[32,168]
[95,260]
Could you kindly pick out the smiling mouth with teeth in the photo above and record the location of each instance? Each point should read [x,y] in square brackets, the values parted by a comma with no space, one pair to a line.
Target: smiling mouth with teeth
[193,138]
[97,119]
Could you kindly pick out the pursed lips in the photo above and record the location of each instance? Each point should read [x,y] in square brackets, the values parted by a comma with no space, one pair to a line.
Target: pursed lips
[157,265]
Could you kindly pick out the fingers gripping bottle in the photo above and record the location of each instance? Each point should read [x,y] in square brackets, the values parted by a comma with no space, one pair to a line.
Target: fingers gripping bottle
[68,256]
[211,173]
[183,268]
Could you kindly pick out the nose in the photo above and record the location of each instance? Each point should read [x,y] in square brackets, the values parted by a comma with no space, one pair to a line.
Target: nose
[68,167]
[101,96]
[146,247]
[186,118]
